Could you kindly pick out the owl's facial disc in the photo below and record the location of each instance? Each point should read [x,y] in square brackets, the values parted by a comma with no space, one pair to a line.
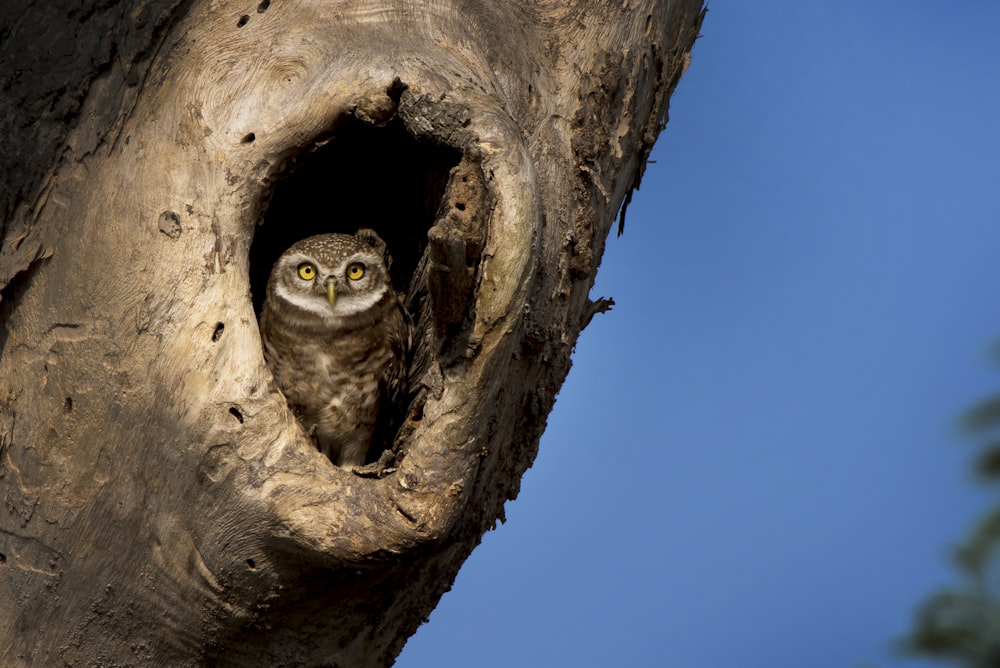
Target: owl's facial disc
[331,292]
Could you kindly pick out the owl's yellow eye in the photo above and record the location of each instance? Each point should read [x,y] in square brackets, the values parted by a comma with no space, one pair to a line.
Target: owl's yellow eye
[307,272]
[355,271]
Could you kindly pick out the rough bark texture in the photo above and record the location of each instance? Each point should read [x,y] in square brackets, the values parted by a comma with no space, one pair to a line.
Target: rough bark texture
[160,503]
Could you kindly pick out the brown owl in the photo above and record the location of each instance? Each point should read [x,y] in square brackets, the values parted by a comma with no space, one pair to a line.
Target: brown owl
[336,338]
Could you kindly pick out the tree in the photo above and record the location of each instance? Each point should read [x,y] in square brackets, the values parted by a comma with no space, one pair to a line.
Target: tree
[962,625]
[161,503]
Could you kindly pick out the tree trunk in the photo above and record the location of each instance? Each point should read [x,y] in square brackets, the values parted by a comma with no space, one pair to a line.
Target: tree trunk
[162,505]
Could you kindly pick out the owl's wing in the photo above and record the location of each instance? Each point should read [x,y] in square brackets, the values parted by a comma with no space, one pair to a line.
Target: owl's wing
[393,384]
[394,380]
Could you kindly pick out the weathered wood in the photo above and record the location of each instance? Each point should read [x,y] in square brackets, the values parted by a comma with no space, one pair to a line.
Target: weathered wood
[161,503]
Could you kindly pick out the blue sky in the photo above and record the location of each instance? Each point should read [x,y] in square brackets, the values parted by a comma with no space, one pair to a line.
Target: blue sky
[755,461]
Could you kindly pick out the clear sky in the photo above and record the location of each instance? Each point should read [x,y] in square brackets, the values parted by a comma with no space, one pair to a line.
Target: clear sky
[755,461]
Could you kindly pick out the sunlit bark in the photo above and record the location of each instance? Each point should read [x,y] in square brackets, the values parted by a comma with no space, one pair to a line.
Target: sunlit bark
[161,504]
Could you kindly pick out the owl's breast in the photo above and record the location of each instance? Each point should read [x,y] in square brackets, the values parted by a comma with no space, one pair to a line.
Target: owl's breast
[314,373]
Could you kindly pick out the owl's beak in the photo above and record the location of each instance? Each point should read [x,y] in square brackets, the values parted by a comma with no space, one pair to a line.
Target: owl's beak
[331,291]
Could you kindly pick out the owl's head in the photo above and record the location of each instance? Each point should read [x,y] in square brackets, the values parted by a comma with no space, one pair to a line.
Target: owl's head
[331,280]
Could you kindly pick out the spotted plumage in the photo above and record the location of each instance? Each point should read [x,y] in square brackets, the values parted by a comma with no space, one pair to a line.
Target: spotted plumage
[336,339]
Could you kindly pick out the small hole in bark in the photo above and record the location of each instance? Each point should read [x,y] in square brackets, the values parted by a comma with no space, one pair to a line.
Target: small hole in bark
[248,138]
[235,412]
[217,334]
[3,558]
[68,405]
[243,21]
[251,564]
[170,224]
[262,7]
[460,206]
[395,89]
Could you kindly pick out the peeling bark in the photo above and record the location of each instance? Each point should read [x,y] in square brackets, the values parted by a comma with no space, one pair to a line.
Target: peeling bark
[161,503]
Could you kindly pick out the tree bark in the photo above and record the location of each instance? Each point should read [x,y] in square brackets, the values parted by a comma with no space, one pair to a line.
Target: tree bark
[162,505]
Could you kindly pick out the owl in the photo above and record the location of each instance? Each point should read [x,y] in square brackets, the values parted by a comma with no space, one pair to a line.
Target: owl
[336,338]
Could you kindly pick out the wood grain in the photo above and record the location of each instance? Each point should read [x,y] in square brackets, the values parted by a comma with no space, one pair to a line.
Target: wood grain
[162,506]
